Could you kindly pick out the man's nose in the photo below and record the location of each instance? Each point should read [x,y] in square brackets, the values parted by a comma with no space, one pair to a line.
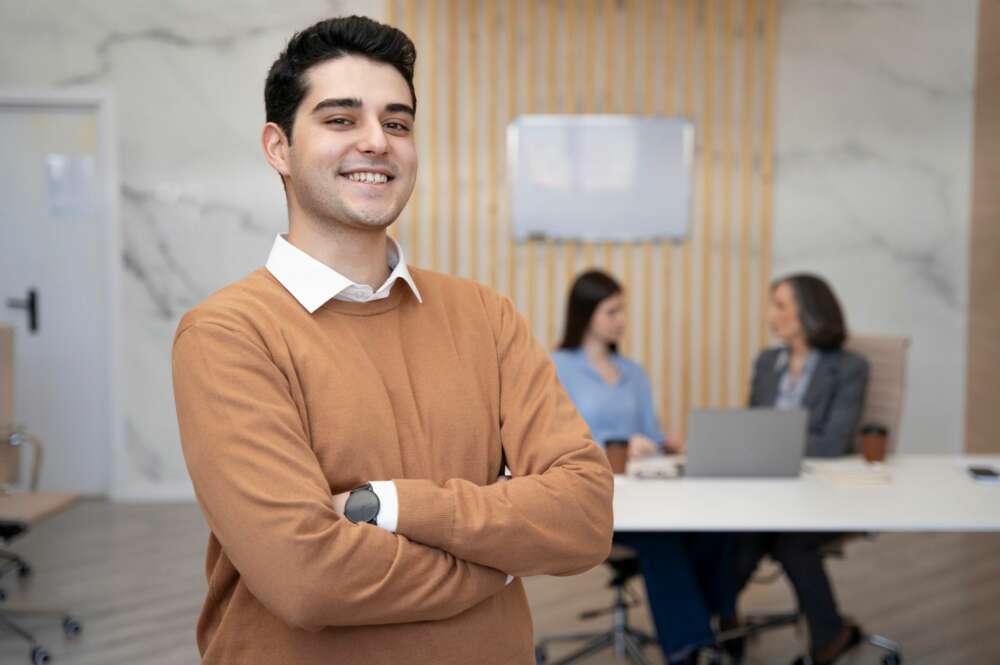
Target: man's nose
[373,139]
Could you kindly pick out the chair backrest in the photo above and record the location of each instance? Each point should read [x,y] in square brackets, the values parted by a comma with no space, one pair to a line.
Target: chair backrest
[10,460]
[886,357]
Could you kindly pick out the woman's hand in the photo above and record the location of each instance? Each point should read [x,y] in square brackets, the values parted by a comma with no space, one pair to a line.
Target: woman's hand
[641,446]
[675,444]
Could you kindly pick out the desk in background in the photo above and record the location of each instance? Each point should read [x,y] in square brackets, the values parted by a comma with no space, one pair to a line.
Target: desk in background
[906,493]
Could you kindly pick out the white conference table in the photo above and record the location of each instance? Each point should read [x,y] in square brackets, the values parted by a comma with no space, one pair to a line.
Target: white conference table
[906,493]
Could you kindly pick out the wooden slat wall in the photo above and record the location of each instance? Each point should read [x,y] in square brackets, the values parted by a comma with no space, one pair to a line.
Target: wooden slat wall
[696,308]
[982,379]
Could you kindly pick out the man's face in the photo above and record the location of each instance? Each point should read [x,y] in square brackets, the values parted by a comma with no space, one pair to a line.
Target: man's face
[352,158]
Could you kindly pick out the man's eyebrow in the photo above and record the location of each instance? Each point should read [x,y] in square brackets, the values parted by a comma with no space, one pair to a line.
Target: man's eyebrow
[401,108]
[355,103]
[338,102]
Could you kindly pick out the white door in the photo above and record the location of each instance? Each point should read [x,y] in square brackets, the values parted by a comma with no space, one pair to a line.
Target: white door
[54,249]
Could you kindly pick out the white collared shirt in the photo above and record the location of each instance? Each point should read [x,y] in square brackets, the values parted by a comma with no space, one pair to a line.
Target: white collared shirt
[791,391]
[313,283]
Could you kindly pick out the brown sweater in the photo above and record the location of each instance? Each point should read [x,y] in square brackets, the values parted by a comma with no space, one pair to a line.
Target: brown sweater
[280,409]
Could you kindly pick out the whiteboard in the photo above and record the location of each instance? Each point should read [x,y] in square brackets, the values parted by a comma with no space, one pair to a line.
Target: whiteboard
[621,178]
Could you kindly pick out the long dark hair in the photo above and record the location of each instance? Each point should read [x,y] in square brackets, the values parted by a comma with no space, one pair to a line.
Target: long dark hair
[820,314]
[588,291]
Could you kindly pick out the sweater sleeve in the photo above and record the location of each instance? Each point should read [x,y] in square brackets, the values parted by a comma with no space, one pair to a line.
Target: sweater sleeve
[555,516]
[267,501]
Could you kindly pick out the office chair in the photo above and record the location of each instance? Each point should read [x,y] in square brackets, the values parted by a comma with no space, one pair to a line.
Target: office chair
[11,444]
[15,441]
[10,530]
[626,641]
[12,441]
[886,356]
[756,624]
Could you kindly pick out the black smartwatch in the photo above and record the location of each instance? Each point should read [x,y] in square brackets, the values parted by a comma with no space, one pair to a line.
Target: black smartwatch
[362,505]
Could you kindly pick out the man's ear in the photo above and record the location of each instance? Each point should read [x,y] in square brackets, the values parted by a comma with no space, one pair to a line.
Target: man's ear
[276,146]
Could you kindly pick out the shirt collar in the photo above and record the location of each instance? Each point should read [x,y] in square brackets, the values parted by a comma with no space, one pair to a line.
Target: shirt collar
[580,357]
[781,362]
[313,283]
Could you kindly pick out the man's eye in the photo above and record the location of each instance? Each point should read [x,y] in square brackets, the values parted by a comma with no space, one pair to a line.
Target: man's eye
[397,126]
[338,121]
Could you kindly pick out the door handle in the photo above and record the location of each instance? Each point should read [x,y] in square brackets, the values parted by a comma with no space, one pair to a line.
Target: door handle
[30,305]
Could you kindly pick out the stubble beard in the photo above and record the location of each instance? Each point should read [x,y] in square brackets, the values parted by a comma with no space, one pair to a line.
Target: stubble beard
[327,204]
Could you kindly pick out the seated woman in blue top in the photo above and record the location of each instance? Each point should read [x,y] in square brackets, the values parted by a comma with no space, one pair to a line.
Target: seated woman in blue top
[809,369]
[684,576]
[609,390]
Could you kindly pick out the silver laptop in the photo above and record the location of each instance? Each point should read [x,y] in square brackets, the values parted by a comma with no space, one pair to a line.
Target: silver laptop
[745,443]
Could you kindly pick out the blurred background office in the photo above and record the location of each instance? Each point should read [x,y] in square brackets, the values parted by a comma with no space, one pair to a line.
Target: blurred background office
[856,140]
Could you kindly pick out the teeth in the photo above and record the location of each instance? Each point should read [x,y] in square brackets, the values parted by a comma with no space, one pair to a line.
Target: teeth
[368,177]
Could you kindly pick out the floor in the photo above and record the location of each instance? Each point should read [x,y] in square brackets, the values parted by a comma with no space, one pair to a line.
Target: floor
[133,574]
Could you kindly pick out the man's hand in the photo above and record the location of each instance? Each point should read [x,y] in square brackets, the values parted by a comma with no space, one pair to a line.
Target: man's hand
[640,446]
[340,502]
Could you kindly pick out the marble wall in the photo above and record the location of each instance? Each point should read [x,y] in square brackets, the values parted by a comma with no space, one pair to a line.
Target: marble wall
[873,127]
[199,206]
[874,131]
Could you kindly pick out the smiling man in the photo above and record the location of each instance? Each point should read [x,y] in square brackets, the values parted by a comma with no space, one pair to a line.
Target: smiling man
[345,418]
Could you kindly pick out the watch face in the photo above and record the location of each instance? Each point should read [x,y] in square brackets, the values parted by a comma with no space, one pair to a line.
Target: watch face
[362,506]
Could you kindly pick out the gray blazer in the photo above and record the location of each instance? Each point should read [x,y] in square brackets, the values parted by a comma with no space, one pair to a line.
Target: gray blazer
[834,398]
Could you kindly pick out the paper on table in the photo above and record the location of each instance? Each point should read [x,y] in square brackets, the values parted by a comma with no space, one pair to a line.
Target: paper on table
[853,476]
[657,467]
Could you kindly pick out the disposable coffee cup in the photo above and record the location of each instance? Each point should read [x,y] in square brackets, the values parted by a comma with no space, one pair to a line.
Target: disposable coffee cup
[874,442]
[617,451]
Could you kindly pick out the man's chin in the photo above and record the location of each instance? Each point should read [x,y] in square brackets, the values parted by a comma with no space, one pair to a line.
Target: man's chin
[371,219]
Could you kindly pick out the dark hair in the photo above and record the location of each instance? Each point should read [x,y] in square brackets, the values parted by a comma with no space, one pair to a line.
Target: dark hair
[333,38]
[589,290]
[820,314]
